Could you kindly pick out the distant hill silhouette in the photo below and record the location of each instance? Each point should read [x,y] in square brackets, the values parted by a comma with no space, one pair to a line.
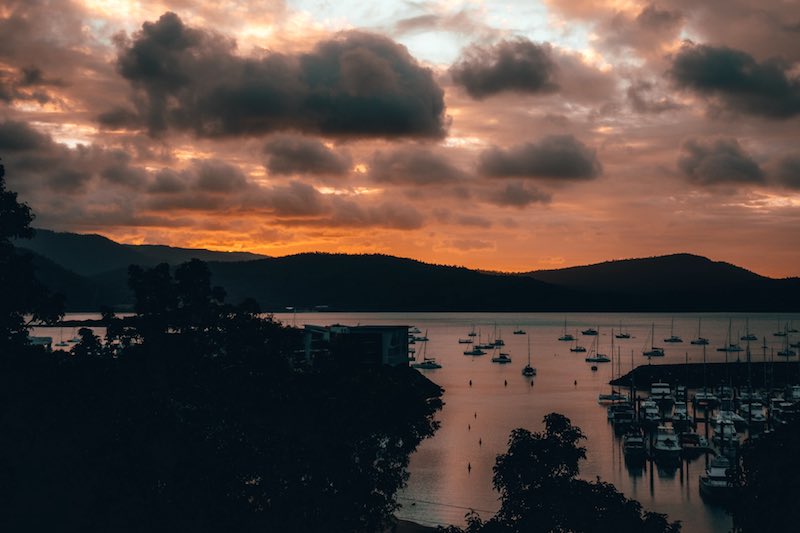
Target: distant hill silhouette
[677,282]
[89,255]
[92,270]
[668,272]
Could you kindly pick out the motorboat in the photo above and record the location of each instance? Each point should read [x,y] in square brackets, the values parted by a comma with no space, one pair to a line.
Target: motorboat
[427,364]
[502,358]
[705,398]
[650,413]
[718,483]
[666,446]
[589,332]
[692,443]
[634,445]
[680,416]
[475,351]
[465,341]
[661,393]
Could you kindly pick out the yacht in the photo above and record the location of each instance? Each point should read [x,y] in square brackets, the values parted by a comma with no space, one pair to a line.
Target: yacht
[649,413]
[475,351]
[692,443]
[633,445]
[502,358]
[753,413]
[661,393]
[680,416]
[589,332]
[465,341]
[705,398]
[718,482]
[414,330]
[666,446]
[519,331]
[622,335]
[725,435]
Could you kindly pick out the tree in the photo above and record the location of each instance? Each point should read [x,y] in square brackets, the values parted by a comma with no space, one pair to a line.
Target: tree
[202,424]
[769,485]
[540,492]
[23,295]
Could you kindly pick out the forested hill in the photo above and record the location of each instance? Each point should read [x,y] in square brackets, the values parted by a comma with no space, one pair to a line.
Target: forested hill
[92,271]
[89,255]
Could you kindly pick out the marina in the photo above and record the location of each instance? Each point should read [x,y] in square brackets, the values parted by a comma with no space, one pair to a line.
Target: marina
[485,401]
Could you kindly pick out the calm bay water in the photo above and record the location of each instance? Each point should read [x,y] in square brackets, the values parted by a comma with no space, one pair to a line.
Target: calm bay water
[477,419]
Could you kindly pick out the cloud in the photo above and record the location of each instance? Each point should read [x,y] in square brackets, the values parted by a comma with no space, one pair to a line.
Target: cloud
[639,99]
[788,171]
[559,157]
[646,32]
[516,65]
[518,195]
[300,155]
[19,136]
[355,85]
[738,81]
[414,166]
[718,161]
[522,66]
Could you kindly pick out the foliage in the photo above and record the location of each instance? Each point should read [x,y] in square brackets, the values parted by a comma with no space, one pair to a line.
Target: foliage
[540,492]
[23,295]
[767,500]
[198,420]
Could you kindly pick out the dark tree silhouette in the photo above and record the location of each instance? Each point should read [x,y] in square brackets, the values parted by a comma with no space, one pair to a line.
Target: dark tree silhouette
[540,492]
[202,422]
[22,293]
[770,484]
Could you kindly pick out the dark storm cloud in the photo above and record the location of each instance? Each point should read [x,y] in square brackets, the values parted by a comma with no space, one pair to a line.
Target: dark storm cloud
[19,136]
[788,172]
[167,181]
[300,155]
[218,177]
[719,161]
[559,157]
[517,65]
[356,85]
[391,215]
[413,166]
[120,172]
[741,83]
[518,195]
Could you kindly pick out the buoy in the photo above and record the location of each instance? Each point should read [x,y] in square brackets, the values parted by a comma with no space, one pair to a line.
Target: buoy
[480,442]
[476,414]
[576,383]
[469,427]
[470,383]
[505,383]
[469,466]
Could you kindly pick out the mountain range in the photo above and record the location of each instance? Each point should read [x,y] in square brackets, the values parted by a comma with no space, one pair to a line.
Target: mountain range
[91,271]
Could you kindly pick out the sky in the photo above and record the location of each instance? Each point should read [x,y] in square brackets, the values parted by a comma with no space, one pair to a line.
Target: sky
[499,135]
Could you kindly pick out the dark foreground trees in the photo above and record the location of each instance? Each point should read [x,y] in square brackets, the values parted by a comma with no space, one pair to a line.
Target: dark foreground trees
[540,492]
[770,482]
[194,418]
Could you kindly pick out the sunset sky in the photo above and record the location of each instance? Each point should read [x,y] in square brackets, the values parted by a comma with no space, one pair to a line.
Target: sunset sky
[505,135]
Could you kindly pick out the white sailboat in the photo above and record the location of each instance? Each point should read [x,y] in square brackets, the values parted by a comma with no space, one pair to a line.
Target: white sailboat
[654,351]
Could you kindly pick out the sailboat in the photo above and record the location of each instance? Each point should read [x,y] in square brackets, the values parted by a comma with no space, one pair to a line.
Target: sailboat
[622,335]
[472,333]
[61,343]
[577,348]
[519,331]
[780,332]
[427,363]
[566,336]
[786,352]
[730,346]
[748,336]
[672,337]
[654,351]
[528,370]
[615,396]
[589,332]
[700,340]
[594,356]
